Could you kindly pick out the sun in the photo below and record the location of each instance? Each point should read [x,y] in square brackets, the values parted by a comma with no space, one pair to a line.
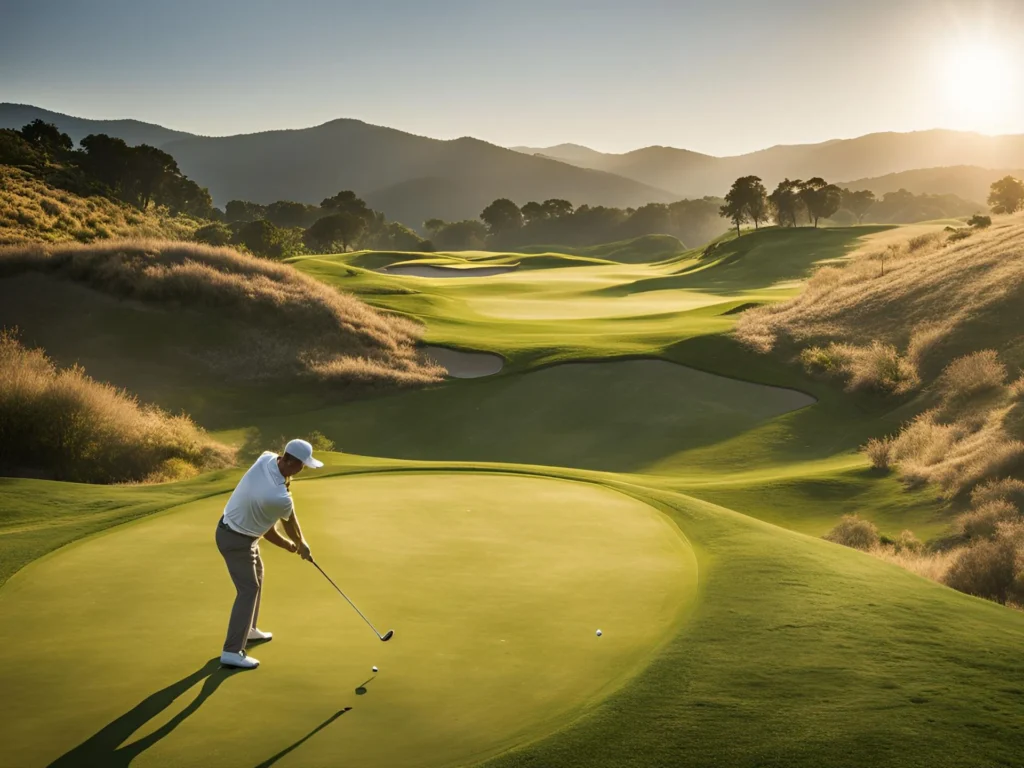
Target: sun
[978,83]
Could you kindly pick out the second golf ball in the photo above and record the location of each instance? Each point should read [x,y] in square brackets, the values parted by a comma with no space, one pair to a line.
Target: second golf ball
[599,633]
[374,669]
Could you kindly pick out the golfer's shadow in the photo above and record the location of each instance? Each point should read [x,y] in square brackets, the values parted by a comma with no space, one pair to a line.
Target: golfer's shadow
[104,747]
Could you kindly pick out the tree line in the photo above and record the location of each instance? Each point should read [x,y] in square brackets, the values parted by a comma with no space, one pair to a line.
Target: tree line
[795,201]
[556,221]
[140,176]
[287,228]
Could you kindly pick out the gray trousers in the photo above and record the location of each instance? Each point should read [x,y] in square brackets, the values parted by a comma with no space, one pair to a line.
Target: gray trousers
[242,555]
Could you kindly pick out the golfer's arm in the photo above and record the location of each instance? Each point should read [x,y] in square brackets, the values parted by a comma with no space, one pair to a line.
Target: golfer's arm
[291,527]
[274,537]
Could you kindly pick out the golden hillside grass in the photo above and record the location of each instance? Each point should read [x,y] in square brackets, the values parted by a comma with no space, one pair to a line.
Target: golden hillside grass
[943,317]
[64,425]
[33,212]
[277,322]
[933,303]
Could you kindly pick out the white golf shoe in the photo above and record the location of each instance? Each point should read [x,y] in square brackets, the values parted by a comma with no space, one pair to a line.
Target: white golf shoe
[259,634]
[238,660]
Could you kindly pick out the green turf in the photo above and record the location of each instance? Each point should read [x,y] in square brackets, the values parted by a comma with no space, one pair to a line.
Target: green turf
[791,652]
[494,585]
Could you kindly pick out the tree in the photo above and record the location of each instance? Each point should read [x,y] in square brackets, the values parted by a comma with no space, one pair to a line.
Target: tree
[533,211]
[338,228]
[556,208]
[858,203]
[820,199]
[1007,195]
[650,219]
[785,203]
[433,226]
[237,211]
[263,239]
[502,216]
[147,170]
[47,137]
[106,159]
[182,195]
[347,201]
[734,209]
[213,234]
[288,213]
[460,236]
[746,201]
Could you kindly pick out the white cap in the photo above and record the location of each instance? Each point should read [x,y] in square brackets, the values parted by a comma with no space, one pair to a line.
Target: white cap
[302,451]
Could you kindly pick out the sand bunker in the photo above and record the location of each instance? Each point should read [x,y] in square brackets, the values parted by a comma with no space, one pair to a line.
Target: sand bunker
[466,365]
[427,270]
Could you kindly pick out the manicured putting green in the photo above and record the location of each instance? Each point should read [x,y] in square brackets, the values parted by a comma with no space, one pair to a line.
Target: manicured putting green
[494,584]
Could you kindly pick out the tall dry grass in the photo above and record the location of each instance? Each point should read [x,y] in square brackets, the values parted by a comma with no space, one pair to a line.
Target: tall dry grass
[64,425]
[283,323]
[31,211]
[930,287]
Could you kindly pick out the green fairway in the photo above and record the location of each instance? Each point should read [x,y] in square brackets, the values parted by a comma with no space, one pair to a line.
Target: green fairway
[495,586]
[631,467]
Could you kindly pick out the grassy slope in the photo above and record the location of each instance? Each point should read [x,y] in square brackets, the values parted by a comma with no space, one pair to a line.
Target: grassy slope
[32,211]
[799,652]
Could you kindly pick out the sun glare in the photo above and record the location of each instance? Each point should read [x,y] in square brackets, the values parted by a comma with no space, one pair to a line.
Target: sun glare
[978,84]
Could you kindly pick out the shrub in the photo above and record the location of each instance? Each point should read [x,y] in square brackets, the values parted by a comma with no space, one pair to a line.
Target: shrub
[908,542]
[879,451]
[979,222]
[853,531]
[213,234]
[1007,489]
[320,441]
[831,359]
[961,234]
[880,367]
[920,242]
[65,425]
[983,522]
[972,374]
[986,569]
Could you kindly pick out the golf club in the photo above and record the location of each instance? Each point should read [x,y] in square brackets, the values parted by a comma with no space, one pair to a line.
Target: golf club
[383,638]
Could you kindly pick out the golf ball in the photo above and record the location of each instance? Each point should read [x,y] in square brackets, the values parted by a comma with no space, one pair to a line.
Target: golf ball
[374,669]
[599,633]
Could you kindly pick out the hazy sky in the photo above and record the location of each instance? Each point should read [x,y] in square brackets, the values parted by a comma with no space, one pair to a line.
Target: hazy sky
[723,77]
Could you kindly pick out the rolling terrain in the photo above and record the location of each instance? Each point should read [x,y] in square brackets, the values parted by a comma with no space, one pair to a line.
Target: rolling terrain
[633,468]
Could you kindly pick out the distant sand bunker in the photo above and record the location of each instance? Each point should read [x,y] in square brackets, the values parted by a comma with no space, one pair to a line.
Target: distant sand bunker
[426,270]
[466,365]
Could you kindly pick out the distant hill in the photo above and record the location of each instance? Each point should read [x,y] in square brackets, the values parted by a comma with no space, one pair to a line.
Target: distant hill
[965,181]
[132,131]
[691,174]
[410,178]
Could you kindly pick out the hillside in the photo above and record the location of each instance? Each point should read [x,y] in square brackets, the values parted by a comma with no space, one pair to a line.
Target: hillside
[691,174]
[198,328]
[969,182]
[409,178]
[134,132]
[33,211]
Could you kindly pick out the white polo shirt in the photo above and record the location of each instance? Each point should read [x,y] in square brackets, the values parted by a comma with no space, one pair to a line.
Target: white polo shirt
[260,499]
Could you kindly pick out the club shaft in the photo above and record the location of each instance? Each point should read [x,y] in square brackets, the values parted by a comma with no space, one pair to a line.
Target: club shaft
[354,607]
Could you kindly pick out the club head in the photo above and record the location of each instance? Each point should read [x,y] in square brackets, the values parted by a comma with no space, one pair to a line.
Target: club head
[387,635]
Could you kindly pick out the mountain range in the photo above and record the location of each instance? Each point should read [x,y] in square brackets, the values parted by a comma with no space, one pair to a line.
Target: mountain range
[412,178]
[691,174]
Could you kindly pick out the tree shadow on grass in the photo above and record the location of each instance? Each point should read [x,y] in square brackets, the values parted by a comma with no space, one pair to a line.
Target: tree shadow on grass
[104,747]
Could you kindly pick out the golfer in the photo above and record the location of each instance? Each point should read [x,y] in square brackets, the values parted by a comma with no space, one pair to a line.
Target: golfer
[262,497]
